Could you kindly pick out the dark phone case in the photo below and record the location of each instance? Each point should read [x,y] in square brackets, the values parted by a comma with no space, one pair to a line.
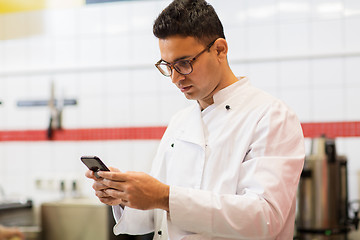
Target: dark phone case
[94,163]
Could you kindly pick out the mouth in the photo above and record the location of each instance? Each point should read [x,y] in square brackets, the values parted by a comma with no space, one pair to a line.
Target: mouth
[185,89]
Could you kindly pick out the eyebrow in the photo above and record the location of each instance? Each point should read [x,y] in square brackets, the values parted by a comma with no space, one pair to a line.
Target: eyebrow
[177,59]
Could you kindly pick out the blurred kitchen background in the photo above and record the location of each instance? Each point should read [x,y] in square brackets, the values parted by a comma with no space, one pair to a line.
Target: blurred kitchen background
[78,78]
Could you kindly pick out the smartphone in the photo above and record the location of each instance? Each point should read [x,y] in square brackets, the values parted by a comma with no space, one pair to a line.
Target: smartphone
[94,164]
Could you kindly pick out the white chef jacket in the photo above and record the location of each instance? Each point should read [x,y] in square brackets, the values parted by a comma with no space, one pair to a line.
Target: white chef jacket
[233,171]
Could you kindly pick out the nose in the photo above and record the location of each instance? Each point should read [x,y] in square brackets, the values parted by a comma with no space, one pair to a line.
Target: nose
[176,77]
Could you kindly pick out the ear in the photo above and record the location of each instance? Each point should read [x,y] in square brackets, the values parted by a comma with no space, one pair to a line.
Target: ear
[221,48]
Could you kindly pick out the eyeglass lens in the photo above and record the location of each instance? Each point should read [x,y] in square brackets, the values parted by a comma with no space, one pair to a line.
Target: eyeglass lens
[182,67]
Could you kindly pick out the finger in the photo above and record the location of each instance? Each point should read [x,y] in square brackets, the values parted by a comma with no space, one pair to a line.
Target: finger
[111,201]
[98,186]
[106,200]
[114,176]
[90,174]
[116,194]
[112,169]
[101,194]
[120,186]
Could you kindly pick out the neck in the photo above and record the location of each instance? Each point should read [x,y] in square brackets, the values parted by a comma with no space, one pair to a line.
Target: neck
[226,81]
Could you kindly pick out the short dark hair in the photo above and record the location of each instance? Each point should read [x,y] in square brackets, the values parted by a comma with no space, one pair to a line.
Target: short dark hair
[189,18]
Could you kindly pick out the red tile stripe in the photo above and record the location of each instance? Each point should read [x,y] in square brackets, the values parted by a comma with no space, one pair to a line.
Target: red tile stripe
[311,130]
[91,134]
[331,129]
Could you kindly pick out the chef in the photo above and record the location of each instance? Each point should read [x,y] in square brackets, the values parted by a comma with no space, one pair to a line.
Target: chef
[227,166]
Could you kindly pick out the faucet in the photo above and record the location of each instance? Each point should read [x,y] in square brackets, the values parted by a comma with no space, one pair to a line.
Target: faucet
[56,108]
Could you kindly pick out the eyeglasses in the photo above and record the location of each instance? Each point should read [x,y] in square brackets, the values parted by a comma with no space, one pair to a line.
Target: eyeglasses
[184,67]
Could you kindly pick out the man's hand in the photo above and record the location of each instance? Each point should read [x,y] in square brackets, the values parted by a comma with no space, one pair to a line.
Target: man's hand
[100,188]
[133,189]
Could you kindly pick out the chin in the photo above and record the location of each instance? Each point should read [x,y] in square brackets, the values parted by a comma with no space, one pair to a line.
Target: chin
[190,97]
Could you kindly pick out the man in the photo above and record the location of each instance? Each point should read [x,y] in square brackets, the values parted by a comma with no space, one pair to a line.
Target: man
[228,166]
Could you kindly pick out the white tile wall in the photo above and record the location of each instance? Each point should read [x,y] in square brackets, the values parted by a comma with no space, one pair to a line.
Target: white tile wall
[327,36]
[328,104]
[16,53]
[327,9]
[261,12]
[294,38]
[116,19]
[91,50]
[39,48]
[62,22]
[299,99]
[65,51]
[352,71]
[294,11]
[264,74]
[144,49]
[352,103]
[232,15]
[262,40]
[306,52]
[237,42]
[290,80]
[352,33]
[352,8]
[116,50]
[91,21]
[327,72]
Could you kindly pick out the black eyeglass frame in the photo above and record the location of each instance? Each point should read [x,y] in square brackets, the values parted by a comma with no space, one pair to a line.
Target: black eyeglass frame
[172,66]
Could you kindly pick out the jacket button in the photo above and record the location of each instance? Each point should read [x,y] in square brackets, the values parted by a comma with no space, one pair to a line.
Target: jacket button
[227,107]
[160,232]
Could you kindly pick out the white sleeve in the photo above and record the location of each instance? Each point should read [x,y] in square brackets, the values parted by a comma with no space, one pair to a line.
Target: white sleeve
[132,221]
[117,212]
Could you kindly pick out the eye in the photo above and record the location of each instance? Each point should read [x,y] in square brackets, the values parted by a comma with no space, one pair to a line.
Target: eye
[182,64]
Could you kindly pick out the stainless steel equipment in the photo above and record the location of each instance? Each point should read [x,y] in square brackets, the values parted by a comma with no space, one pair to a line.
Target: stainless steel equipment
[74,219]
[20,214]
[80,219]
[323,208]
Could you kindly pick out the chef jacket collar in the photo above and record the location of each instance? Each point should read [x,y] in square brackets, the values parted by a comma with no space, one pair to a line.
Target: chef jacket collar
[223,95]
[192,129]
